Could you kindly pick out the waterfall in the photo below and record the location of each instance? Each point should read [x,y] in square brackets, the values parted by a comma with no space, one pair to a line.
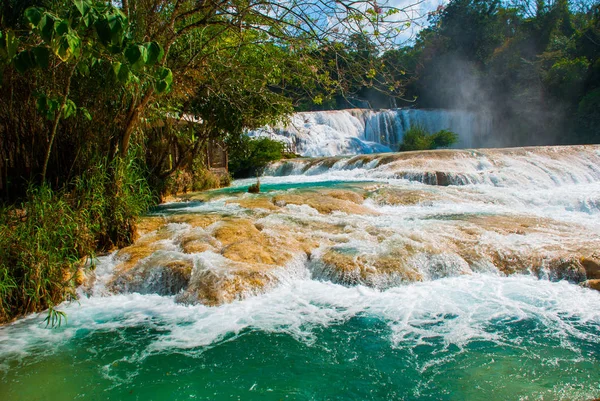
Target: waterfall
[361,131]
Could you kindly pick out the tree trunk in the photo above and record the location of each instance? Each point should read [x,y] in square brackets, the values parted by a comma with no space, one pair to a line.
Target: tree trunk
[125,4]
[56,121]
[132,120]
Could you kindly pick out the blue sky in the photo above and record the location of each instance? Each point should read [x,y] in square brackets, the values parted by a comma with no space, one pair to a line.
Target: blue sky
[416,11]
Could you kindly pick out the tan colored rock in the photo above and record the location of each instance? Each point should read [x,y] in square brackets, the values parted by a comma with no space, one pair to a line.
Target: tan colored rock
[351,196]
[195,219]
[149,224]
[132,254]
[591,264]
[255,203]
[197,241]
[232,282]
[234,230]
[251,251]
[569,269]
[322,203]
[163,276]
[593,284]
[195,246]
[372,270]
[397,196]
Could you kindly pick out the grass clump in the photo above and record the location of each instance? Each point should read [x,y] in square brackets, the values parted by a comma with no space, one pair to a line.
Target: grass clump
[418,138]
[41,243]
[45,238]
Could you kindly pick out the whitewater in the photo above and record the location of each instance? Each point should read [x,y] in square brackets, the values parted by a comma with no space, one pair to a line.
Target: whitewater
[442,275]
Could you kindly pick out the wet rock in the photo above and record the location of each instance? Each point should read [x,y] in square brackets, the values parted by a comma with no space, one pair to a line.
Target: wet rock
[567,269]
[234,230]
[591,265]
[324,204]
[396,196]
[149,224]
[442,179]
[250,251]
[195,220]
[156,275]
[255,203]
[351,196]
[225,281]
[593,284]
[349,267]
[197,241]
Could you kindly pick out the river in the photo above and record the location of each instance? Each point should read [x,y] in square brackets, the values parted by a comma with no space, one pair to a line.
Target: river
[445,275]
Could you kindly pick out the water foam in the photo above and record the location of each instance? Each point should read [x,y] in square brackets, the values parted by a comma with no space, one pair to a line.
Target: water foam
[456,310]
[541,167]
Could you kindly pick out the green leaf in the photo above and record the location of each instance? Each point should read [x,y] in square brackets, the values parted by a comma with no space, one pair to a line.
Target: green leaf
[111,31]
[122,72]
[155,52]
[83,7]
[42,56]
[165,74]
[89,19]
[33,15]
[70,109]
[41,105]
[46,27]
[12,43]
[164,80]
[137,56]
[103,31]
[47,106]
[62,27]
[74,44]
[83,69]
[116,25]
[161,86]
[86,113]
[62,49]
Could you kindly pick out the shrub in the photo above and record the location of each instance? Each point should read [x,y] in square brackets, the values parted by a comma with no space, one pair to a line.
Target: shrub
[417,138]
[250,156]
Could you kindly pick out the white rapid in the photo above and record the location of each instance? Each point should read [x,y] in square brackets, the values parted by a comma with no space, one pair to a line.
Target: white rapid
[360,131]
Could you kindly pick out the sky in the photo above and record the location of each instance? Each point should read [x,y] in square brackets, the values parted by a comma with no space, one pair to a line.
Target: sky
[416,11]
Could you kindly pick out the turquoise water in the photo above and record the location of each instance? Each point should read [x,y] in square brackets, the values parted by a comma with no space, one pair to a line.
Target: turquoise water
[445,340]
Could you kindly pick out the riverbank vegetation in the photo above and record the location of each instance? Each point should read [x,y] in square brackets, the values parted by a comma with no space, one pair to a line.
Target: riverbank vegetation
[532,66]
[106,106]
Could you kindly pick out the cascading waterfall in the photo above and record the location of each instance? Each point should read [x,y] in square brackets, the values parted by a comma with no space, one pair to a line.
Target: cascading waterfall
[442,275]
[358,131]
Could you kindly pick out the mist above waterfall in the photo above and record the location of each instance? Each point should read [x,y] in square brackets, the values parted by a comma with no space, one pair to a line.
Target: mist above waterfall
[520,116]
